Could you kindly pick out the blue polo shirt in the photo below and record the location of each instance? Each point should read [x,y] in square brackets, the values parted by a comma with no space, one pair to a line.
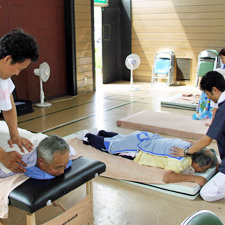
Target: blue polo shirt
[217,132]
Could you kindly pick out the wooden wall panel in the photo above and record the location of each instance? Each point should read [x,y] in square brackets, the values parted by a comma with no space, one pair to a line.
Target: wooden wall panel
[45,21]
[185,26]
[83,45]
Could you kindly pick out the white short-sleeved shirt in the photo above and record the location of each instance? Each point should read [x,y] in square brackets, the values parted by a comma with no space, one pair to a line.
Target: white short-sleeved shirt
[213,104]
[6,89]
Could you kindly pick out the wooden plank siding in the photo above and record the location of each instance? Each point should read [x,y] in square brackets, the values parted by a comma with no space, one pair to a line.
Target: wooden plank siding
[83,45]
[185,26]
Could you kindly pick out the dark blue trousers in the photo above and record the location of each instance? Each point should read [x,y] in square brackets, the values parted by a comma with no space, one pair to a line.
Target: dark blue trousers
[97,141]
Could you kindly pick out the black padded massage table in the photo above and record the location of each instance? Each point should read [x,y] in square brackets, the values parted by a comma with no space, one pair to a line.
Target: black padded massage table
[33,195]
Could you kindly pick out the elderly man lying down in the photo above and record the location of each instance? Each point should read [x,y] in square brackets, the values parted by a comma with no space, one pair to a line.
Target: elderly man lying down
[150,149]
[49,159]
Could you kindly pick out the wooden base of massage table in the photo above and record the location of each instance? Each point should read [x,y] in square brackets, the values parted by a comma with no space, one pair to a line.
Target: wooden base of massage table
[33,194]
[80,214]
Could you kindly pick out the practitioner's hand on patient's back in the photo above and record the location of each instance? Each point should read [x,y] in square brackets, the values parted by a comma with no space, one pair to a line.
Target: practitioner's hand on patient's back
[177,152]
[21,142]
[12,160]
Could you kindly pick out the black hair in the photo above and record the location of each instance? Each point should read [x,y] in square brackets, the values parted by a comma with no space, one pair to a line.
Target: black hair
[19,45]
[222,52]
[212,79]
[204,158]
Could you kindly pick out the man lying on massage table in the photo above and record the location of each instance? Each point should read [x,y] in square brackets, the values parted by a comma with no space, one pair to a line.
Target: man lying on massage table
[150,149]
[49,159]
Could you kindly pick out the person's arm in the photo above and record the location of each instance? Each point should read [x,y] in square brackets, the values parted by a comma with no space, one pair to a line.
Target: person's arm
[213,116]
[214,113]
[10,118]
[172,177]
[198,145]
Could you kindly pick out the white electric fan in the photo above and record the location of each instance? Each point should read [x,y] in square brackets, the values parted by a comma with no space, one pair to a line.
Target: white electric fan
[132,62]
[44,73]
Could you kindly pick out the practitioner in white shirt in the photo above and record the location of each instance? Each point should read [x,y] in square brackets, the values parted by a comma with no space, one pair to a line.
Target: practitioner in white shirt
[17,50]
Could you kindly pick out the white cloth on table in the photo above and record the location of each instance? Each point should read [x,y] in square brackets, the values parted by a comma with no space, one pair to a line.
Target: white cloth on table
[6,186]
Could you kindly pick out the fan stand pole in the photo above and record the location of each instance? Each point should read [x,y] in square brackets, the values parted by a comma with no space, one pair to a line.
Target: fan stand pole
[42,95]
[42,104]
[131,81]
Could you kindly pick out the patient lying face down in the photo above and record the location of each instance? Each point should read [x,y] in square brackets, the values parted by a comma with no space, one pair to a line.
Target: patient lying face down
[150,149]
[49,159]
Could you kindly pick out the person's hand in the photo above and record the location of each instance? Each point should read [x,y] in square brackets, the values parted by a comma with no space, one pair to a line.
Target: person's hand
[12,160]
[177,152]
[21,142]
[200,180]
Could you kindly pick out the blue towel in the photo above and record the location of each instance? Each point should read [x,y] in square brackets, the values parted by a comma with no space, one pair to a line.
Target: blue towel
[36,173]
[162,146]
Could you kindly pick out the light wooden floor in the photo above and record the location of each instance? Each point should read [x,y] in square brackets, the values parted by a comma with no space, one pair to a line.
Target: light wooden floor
[115,202]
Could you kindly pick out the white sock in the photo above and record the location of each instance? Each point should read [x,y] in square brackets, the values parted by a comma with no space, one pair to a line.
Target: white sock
[81,134]
[94,131]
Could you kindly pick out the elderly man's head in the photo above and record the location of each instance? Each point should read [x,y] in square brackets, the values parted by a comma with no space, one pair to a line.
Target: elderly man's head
[53,155]
[203,160]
